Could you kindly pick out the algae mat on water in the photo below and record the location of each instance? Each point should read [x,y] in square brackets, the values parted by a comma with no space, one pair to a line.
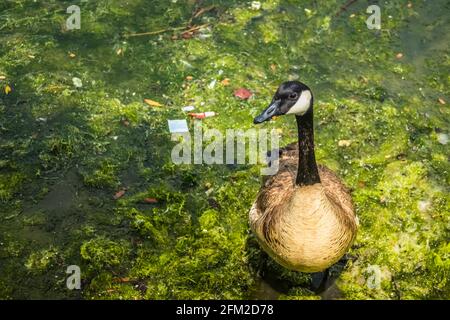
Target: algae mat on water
[75,134]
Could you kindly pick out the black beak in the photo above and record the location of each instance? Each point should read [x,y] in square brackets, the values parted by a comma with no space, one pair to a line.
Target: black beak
[267,114]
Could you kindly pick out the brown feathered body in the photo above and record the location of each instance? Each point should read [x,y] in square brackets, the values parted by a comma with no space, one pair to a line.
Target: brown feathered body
[303,228]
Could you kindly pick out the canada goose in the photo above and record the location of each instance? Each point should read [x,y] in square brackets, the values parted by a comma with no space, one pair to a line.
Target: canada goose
[303,216]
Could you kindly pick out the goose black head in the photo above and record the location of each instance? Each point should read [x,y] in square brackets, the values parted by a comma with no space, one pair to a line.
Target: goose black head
[292,97]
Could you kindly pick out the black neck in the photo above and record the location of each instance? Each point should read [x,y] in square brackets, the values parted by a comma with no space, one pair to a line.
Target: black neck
[307,172]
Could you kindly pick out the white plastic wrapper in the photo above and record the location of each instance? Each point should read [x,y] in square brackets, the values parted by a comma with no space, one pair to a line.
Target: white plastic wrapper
[178,126]
[188,108]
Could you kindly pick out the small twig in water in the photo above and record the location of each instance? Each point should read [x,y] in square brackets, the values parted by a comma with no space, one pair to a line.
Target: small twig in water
[195,28]
[188,29]
[202,11]
[153,32]
[345,7]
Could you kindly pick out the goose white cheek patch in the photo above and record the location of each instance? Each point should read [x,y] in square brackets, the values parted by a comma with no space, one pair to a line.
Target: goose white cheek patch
[302,104]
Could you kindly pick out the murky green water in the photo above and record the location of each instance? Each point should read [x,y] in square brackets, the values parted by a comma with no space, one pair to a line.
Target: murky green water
[66,151]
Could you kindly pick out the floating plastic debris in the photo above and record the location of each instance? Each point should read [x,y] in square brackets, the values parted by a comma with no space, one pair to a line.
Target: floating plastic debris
[77,82]
[203,36]
[178,126]
[256,5]
[442,138]
[188,108]
[186,64]
[423,205]
[203,115]
[204,33]
[212,84]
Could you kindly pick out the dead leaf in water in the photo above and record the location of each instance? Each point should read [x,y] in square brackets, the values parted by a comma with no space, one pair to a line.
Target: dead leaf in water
[243,93]
[344,143]
[150,200]
[364,79]
[187,35]
[152,103]
[8,89]
[119,194]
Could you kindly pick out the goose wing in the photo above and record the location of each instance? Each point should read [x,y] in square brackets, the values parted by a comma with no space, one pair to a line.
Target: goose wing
[277,189]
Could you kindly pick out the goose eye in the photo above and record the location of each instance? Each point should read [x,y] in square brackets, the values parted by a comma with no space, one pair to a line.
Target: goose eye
[293,96]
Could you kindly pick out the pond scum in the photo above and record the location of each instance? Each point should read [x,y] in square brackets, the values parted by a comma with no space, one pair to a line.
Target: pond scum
[66,149]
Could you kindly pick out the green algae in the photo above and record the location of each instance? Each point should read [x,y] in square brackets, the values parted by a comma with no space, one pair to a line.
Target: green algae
[10,184]
[40,261]
[101,252]
[194,242]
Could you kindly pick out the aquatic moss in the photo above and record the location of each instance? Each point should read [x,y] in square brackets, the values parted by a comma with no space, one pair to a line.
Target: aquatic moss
[39,262]
[102,177]
[102,252]
[10,184]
